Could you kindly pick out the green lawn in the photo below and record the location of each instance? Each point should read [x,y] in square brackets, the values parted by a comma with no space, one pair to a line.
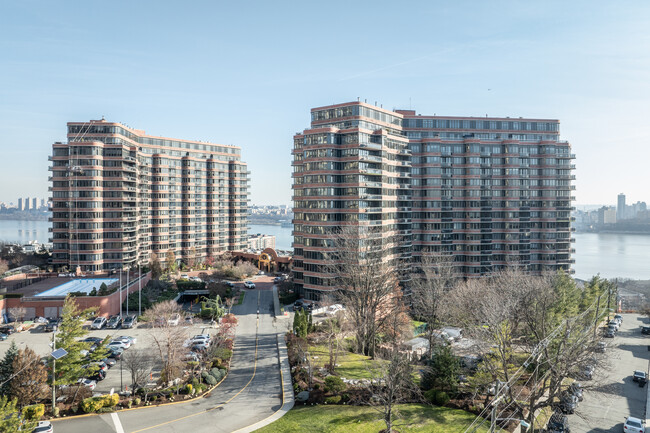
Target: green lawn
[351,365]
[241,298]
[415,418]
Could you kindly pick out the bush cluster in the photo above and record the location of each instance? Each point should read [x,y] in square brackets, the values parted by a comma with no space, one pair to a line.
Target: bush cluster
[334,384]
[94,404]
[34,412]
[184,285]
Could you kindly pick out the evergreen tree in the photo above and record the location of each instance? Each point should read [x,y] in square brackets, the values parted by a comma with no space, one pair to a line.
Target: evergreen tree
[29,383]
[11,419]
[70,367]
[7,368]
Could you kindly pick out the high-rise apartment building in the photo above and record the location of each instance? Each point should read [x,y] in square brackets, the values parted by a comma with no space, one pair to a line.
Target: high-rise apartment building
[261,242]
[119,195]
[34,203]
[489,191]
[20,204]
[620,207]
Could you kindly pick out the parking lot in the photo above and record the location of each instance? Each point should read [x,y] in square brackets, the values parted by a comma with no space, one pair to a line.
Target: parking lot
[39,341]
[612,395]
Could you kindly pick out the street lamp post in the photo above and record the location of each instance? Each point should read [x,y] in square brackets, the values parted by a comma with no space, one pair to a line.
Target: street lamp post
[56,354]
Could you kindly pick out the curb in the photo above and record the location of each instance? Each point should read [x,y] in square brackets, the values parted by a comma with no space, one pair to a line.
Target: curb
[287,403]
[204,395]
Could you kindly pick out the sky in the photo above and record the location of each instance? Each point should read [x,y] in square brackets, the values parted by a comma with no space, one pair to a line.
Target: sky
[247,73]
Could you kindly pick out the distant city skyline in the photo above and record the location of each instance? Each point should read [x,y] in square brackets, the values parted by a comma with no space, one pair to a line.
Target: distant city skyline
[232,74]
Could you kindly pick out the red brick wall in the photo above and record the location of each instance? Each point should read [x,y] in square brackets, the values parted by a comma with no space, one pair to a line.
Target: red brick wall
[108,305]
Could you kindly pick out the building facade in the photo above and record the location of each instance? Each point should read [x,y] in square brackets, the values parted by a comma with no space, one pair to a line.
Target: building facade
[488,191]
[119,195]
[261,242]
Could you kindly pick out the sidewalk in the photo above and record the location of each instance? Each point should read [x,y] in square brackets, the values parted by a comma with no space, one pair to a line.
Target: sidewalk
[287,390]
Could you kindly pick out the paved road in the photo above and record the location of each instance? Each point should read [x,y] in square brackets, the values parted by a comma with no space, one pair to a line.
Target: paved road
[250,393]
[612,395]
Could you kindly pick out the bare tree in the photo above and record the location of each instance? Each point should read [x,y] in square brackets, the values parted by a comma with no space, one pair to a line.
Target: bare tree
[139,363]
[392,383]
[365,266]
[168,337]
[429,286]
[18,313]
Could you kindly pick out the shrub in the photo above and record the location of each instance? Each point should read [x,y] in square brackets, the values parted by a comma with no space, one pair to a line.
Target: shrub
[210,380]
[34,412]
[336,399]
[334,384]
[137,401]
[92,404]
[430,396]
[188,388]
[441,398]
[345,398]
[111,400]
[55,412]
[106,409]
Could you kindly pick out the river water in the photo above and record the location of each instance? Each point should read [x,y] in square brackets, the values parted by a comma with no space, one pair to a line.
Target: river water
[611,255]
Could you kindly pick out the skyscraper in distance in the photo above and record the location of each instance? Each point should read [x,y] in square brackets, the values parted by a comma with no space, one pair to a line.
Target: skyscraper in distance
[620,207]
[489,192]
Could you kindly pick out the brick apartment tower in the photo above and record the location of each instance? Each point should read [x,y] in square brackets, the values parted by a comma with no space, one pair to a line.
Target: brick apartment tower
[118,195]
[489,191]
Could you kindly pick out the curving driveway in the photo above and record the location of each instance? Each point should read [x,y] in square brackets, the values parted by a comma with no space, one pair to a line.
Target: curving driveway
[251,392]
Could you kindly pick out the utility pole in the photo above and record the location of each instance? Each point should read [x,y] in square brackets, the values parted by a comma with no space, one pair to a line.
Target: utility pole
[127,292]
[597,313]
[495,404]
[120,289]
[139,290]
[53,371]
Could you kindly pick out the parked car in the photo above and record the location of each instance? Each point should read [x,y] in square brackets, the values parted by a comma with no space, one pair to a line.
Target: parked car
[201,337]
[3,337]
[7,330]
[184,277]
[114,322]
[619,318]
[98,323]
[645,330]
[174,319]
[455,334]
[610,333]
[613,323]
[88,382]
[52,324]
[93,340]
[568,403]
[249,285]
[191,356]
[601,347]
[229,284]
[558,423]
[115,353]
[587,372]
[117,344]
[640,377]
[196,279]
[130,321]
[110,362]
[277,280]
[633,425]
[43,427]
[126,339]
[575,389]
[198,346]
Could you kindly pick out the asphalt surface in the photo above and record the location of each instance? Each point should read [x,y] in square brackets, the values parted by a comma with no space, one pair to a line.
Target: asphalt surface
[612,395]
[251,392]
